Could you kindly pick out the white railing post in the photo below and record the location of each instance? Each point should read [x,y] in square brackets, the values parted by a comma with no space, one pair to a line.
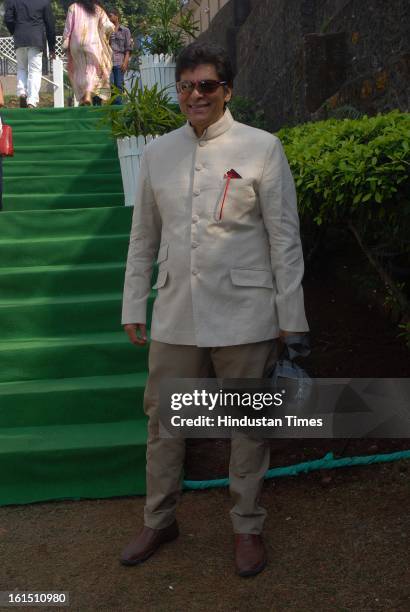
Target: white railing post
[58,77]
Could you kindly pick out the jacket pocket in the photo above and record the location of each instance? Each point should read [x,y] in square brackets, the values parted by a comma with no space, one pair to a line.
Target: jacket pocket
[235,199]
[162,253]
[242,277]
[161,279]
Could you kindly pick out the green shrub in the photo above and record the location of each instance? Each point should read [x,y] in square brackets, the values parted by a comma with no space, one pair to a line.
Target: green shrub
[354,171]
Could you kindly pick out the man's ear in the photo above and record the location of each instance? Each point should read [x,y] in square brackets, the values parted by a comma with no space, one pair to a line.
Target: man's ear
[228,94]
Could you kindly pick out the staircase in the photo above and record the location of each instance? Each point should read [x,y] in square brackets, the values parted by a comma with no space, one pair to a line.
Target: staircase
[71,385]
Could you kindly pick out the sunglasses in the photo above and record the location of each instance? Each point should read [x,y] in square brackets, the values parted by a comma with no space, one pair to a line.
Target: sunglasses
[206,86]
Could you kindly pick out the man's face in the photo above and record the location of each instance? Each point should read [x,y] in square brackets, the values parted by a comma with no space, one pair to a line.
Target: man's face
[203,109]
[113,18]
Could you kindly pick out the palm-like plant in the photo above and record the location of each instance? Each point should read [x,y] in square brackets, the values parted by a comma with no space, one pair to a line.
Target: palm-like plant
[166,27]
[145,112]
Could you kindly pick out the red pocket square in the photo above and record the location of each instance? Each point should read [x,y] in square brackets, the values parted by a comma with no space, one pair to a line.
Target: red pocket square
[232,174]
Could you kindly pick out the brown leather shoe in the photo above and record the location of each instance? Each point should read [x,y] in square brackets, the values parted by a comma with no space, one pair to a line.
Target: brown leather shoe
[250,557]
[147,542]
[23,101]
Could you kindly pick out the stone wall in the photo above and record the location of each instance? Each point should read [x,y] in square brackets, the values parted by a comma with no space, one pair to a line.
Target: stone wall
[299,59]
[204,11]
[377,55]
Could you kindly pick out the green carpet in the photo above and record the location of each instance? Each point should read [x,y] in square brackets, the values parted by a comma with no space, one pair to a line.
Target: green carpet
[71,385]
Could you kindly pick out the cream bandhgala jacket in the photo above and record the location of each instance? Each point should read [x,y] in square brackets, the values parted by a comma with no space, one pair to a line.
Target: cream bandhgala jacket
[221,281]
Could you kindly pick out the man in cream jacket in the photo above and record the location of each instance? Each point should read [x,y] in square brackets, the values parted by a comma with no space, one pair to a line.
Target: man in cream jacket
[216,208]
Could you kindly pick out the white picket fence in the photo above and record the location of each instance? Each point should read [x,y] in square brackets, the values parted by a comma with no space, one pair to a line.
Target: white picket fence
[154,69]
[129,152]
[160,70]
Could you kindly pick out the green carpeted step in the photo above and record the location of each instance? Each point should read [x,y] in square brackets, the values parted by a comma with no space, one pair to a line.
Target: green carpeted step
[71,395]
[72,356]
[57,138]
[65,223]
[40,201]
[52,116]
[62,167]
[65,401]
[58,184]
[78,314]
[72,461]
[42,126]
[69,151]
[75,356]
[54,281]
[36,317]
[60,251]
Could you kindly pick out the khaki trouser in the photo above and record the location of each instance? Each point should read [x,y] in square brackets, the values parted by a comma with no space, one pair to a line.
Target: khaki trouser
[165,456]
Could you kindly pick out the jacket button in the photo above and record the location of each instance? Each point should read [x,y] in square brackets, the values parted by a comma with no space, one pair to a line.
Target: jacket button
[194,272]
[202,143]
[198,167]
[194,245]
[197,192]
[195,219]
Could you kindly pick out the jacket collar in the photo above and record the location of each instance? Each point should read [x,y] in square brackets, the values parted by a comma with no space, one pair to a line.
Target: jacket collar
[213,131]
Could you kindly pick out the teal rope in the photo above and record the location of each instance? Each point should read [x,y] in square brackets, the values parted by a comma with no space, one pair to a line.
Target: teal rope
[327,462]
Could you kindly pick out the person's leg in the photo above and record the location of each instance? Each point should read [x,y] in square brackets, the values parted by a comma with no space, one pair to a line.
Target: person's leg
[165,456]
[249,458]
[22,68]
[35,69]
[117,81]
[249,455]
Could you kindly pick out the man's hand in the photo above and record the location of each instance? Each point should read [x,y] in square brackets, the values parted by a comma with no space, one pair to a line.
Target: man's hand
[124,67]
[136,332]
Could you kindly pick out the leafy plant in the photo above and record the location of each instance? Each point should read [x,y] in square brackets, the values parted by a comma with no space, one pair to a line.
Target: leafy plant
[355,173]
[405,333]
[353,169]
[247,111]
[346,111]
[144,112]
[131,12]
[166,27]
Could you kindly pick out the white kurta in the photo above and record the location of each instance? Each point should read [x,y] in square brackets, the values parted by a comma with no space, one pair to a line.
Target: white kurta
[221,282]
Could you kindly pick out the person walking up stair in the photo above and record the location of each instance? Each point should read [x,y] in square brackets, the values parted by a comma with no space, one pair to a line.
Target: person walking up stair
[26,21]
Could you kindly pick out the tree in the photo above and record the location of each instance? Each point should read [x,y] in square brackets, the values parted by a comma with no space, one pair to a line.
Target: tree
[131,12]
[59,10]
[3,30]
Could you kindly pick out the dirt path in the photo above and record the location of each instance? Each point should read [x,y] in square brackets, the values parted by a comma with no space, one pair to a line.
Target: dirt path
[342,547]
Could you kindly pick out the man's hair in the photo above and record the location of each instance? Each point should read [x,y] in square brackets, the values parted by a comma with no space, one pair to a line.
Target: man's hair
[113,11]
[198,53]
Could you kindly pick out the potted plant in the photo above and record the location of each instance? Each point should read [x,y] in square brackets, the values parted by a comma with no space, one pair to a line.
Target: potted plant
[145,113]
[166,28]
